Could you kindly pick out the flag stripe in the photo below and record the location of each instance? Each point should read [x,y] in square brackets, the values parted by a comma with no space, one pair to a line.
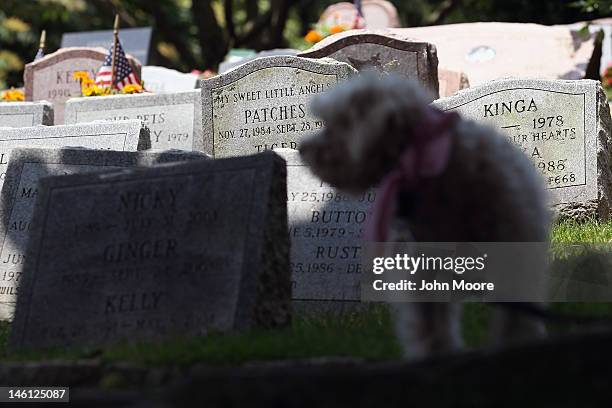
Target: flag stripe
[124,74]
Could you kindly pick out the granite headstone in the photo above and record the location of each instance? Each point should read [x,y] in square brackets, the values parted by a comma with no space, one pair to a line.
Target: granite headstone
[490,50]
[166,80]
[451,82]
[263,104]
[383,52]
[51,77]
[126,135]
[143,254]
[24,114]
[325,228]
[19,192]
[135,41]
[563,126]
[237,61]
[174,119]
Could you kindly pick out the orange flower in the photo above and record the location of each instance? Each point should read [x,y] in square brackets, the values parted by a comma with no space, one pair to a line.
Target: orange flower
[336,29]
[313,36]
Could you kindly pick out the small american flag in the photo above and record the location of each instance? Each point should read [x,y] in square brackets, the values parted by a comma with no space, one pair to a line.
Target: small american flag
[124,74]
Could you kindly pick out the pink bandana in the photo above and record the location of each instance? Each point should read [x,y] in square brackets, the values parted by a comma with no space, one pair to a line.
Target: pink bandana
[426,157]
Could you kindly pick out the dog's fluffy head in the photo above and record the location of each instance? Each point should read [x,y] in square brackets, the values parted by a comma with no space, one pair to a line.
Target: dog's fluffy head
[369,121]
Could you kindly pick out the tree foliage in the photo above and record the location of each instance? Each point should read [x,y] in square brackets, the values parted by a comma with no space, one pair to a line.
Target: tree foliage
[197,34]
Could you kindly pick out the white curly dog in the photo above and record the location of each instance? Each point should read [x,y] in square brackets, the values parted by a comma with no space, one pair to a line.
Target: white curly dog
[451,180]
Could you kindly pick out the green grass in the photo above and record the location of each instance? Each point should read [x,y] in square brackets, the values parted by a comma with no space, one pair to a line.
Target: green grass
[367,334]
[588,232]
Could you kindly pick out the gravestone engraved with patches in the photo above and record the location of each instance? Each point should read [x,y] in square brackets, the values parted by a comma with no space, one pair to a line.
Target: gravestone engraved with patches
[264,104]
[382,52]
[24,114]
[174,119]
[125,135]
[51,77]
[326,228]
[150,253]
[19,192]
[563,126]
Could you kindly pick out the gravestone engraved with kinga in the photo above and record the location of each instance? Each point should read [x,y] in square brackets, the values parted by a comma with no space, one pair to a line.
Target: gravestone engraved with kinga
[383,52]
[24,114]
[125,135]
[174,119]
[26,167]
[264,104]
[325,228]
[51,77]
[563,126]
[148,253]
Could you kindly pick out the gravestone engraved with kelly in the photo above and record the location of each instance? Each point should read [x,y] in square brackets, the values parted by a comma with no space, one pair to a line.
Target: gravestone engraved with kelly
[174,119]
[24,114]
[26,167]
[143,254]
[563,126]
[383,52]
[264,104]
[125,135]
[326,228]
[51,77]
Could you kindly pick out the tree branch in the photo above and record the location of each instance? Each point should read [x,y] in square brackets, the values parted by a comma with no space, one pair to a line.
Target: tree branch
[210,34]
[445,11]
[228,7]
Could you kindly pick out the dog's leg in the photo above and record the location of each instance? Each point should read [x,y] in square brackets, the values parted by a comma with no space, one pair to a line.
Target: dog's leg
[424,329]
[509,326]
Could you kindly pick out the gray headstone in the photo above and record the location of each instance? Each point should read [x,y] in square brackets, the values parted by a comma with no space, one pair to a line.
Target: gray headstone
[26,167]
[264,104]
[325,227]
[24,114]
[135,41]
[563,126]
[143,254]
[175,119]
[126,135]
[235,62]
[384,52]
[51,77]
[166,80]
